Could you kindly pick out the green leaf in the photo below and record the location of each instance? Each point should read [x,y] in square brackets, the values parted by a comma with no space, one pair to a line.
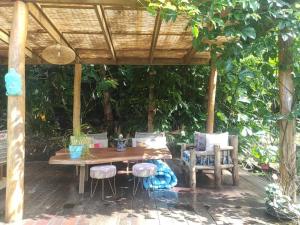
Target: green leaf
[249,32]
[195,31]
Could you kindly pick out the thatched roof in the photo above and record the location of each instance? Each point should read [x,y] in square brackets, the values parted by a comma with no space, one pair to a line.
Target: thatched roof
[103,32]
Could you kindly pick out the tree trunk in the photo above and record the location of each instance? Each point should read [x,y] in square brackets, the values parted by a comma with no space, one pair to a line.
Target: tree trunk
[287,148]
[151,105]
[16,117]
[107,109]
[151,109]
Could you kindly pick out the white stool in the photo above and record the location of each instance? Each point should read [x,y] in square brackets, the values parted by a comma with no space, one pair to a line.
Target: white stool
[103,172]
[142,170]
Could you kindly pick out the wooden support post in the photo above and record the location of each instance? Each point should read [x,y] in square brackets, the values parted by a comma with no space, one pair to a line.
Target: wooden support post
[76,100]
[211,96]
[234,141]
[193,178]
[81,179]
[16,117]
[1,172]
[218,176]
[287,146]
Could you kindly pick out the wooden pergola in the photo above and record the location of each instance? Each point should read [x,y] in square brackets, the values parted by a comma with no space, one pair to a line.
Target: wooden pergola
[113,32]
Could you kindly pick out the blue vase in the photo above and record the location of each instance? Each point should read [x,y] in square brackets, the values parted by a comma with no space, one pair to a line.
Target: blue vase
[75,151]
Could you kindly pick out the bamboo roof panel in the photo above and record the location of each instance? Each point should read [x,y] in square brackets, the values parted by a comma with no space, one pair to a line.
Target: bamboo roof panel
[39,40]
[73,19]
[133,42]
[180,26]
[6,20]
[174,42]
[93,53]
[87,41]
[105,31]
[138,21]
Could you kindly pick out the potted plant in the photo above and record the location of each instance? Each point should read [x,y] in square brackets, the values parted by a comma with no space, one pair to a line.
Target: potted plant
[79,145]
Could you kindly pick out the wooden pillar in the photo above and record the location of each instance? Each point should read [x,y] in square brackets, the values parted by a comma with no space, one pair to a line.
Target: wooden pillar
[76,99]
[234,141]
[218,170]
[287,148]
[16,117]
[212,86]
[193,162]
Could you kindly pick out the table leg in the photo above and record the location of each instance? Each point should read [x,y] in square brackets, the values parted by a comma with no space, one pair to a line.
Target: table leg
[81,179]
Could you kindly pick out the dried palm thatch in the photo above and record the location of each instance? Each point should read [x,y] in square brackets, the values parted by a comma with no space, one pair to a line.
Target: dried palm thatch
[104,32]
[58,54]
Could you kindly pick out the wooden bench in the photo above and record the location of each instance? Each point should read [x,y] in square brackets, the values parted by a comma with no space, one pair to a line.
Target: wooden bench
[3,157]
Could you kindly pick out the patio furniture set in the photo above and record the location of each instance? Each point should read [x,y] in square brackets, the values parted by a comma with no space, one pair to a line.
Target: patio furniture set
[210,152]
[149,146]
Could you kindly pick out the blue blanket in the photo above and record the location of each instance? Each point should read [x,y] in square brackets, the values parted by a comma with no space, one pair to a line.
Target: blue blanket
[164,178]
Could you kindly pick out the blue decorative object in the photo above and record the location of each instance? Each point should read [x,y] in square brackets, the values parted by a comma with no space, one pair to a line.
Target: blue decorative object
[75,151]
[13,83]
[164,178]
[121,143]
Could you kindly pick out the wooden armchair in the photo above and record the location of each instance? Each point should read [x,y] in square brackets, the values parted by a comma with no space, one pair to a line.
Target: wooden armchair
[217,160]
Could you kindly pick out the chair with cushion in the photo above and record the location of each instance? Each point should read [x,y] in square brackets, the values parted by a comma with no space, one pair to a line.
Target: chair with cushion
[98,140]
[150,140]
[215,152]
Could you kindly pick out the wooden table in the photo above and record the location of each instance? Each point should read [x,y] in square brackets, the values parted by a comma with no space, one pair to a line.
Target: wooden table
[107,155]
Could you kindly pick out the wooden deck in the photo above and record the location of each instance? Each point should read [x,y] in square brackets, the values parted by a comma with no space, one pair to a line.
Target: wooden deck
[51,198]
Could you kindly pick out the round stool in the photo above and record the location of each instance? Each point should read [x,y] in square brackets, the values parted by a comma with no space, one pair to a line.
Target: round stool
[103,172]
[142,170]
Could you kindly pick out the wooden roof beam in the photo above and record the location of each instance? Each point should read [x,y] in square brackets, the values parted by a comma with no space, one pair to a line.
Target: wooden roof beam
[41,18]
[93,2]
[190,54]
[103,23]
[4,36]
[156,30]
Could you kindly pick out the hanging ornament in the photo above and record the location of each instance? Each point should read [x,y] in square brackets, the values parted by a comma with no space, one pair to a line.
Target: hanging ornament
[58,54]
[13,83]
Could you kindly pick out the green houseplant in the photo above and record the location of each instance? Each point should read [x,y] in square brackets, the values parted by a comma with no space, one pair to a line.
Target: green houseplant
[79,145]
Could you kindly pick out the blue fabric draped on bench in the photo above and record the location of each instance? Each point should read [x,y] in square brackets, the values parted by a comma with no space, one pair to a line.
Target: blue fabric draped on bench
[164,178]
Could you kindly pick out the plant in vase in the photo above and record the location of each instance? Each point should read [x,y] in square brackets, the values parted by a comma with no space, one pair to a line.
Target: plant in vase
[79,145]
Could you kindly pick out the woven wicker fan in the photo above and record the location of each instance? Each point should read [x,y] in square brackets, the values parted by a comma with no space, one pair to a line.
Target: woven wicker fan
[58,54]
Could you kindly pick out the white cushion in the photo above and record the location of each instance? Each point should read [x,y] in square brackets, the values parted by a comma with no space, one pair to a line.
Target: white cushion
[144,169]
[98,136]
[103,171]
[153,142]
[216,139]
[200,141]
[148,134]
